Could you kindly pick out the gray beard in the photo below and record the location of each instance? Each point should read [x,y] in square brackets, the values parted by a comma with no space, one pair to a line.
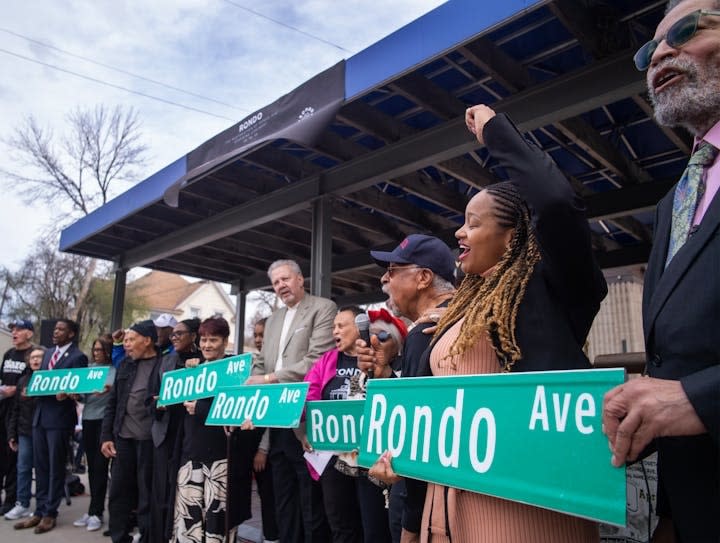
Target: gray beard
[693,103]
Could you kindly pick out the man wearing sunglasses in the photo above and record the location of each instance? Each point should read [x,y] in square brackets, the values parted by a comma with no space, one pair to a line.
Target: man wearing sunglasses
[678,404]
[419,278]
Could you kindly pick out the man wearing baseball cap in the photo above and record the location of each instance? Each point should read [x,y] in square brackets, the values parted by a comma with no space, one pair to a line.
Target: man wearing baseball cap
[164,324]
[126,434]
[12,366]
[419,278]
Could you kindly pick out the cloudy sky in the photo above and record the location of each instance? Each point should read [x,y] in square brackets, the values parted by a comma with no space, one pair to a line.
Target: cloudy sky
[230,57]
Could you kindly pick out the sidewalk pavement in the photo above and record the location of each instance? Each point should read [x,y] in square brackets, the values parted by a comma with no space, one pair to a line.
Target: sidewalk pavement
[249,532]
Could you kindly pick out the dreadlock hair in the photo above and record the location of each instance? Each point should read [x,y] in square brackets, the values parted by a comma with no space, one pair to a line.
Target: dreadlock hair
[490,304]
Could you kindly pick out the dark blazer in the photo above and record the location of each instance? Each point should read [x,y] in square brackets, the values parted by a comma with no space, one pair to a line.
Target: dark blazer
[119,395]
[50,413]
[566,287]
[681,313]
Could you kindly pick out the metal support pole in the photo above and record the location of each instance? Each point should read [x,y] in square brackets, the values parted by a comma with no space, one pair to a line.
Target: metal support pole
[116,319]
[321,256]
[240,308]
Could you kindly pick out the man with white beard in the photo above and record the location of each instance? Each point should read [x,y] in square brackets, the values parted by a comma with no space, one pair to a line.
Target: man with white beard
[677,407]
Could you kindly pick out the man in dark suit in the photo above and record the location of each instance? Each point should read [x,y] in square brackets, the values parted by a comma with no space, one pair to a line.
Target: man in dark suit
[678,405]
[53,423]
[295,336]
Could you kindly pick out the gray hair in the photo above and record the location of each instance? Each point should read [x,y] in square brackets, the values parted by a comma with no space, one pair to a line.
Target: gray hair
[383,326]
[279,263]
[441,285]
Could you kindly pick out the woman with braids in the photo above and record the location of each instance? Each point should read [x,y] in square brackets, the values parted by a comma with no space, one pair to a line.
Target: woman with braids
[531,291]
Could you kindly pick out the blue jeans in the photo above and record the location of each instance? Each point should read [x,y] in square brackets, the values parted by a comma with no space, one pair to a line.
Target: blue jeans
[24,470]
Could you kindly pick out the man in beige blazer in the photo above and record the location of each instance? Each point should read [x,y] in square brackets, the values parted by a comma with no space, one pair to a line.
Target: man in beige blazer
[295,336]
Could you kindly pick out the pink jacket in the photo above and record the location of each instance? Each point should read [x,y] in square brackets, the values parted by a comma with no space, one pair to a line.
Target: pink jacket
[321,373]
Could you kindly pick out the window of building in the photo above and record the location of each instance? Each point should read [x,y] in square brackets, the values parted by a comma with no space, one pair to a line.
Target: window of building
[194,312]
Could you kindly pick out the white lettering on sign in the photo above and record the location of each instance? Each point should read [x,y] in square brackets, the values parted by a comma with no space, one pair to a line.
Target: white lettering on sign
[482,414]
[329,430]
[423,413]
[240,408]
[289,396]
[584,407]
[94,374]
[454,413]
[43,383]
[449,429]
[188,385]
[236,366]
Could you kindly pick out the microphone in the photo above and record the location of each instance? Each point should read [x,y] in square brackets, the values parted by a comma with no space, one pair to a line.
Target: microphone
[362,321]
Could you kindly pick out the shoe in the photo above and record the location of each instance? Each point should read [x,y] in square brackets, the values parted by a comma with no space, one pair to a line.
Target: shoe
[94,523]
[106,533]
[45,525]
[82,521]
[29,522]
[18,512]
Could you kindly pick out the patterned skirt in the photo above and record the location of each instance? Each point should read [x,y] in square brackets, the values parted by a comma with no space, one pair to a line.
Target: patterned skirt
[200,502]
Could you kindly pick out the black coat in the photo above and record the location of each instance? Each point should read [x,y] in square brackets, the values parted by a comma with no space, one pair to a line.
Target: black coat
[22,410]
[681,314]
[119,395]
[566,287]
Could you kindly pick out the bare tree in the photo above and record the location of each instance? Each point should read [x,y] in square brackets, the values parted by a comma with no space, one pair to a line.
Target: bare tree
[47,283]
[81,169]
[265,303]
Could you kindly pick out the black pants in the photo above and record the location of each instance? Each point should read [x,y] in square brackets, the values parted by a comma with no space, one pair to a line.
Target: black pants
[355,508]
[97,466]
[130,485]
[264,481]
[8,462]
[50,453]
[298,499]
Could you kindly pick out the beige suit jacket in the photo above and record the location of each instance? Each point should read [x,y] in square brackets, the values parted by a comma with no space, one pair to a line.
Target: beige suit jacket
[309,336]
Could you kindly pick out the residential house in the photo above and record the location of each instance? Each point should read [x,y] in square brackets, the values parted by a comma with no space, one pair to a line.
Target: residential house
[164,292]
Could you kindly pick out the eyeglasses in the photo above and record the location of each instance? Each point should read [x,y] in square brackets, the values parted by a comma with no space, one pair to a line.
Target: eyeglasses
[390,270]
[178,334]
[678,34]
[99,350]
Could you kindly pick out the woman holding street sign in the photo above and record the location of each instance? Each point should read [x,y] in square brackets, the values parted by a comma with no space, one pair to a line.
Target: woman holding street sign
[166,425]
[355,505]
[201,498]
[92,417]
[530,294]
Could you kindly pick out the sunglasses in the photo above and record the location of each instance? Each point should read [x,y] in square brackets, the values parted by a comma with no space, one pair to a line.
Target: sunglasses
[679,34]
[391,270]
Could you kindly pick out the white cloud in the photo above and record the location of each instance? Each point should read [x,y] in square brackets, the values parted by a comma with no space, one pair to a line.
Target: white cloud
[207,47]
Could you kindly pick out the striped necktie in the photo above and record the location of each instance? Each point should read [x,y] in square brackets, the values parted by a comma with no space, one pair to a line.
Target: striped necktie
[688,193]
[54,359]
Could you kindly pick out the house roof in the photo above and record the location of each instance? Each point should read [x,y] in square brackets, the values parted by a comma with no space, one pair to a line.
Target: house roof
[395,158]
[162,291]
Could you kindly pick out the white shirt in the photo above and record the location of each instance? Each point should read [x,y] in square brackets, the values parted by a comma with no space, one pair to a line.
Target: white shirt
[289,316]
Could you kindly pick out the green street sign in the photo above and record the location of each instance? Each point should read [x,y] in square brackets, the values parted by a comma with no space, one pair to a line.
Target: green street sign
[272,406]
[70,381]
[334,425]
[531,437]
[204,380]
